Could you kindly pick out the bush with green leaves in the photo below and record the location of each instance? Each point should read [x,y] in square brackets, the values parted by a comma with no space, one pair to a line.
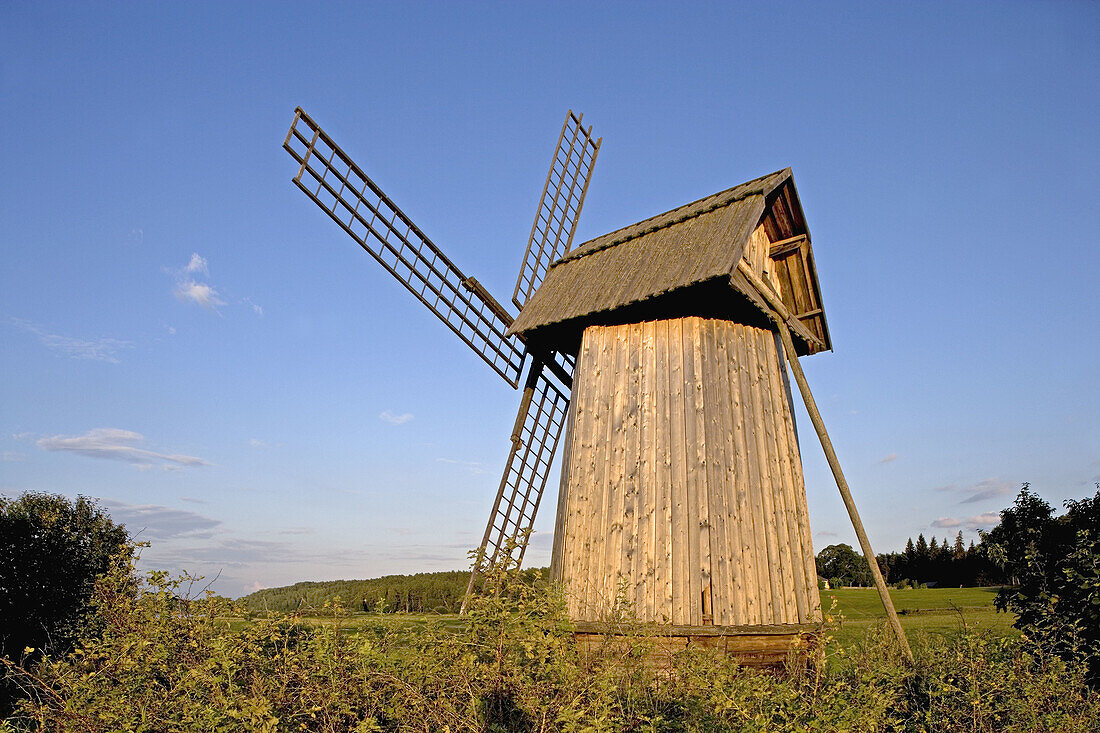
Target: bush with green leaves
[166,664]
[51,551]
[1055,562]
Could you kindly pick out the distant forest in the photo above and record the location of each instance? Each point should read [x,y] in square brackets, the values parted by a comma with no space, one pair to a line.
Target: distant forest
[420,593]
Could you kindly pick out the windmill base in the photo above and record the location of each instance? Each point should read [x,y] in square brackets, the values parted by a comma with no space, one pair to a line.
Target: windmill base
[780,647]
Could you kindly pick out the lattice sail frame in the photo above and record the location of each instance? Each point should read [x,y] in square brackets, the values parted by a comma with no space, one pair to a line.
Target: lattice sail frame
[343,191]
[560,206]
[535,437]
[543,411]
[364,211]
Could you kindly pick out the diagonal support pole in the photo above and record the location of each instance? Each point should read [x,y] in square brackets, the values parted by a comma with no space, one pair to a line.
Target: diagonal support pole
[780,316]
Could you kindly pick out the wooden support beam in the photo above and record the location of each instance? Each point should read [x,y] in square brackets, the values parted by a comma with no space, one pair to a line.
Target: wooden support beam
[784,319]
[781,312]
[785,247]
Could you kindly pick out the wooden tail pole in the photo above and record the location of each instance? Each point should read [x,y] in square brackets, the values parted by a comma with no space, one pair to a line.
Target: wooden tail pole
[782,315]
[842,484]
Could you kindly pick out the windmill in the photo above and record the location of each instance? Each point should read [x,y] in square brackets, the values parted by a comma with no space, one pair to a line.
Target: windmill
[660,349]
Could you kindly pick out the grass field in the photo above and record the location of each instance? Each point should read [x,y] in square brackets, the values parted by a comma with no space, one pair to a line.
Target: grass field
[923,612]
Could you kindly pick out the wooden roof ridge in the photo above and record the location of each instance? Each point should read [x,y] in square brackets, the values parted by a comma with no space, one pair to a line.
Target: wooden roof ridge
[711,202]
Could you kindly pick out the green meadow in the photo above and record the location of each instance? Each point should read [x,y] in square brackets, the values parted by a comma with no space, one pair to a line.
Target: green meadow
[923,612]
[852,613]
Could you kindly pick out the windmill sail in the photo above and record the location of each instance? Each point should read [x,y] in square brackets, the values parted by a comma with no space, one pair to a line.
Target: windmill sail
[535,437]
[560,205]
[343,191]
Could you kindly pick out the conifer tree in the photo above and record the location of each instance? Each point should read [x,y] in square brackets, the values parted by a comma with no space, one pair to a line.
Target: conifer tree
[959,551]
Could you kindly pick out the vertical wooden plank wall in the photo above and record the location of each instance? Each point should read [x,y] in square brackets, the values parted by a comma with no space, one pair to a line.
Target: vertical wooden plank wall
[682,491]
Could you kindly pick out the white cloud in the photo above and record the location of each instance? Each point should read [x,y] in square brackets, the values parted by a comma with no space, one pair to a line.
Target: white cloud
[394,418]
[100,349]
[890,458]
[987,520]
[256,443]
[10,456]
[258,310]
[116,444]
[197,264]
[473,467]
[200,293]
[981,521]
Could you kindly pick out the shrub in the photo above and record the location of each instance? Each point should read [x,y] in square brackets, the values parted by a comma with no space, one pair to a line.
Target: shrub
[1056,563]
[51,551]
[165,665]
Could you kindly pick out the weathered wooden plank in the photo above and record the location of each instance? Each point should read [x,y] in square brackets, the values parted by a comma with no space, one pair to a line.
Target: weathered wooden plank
[611,554]
[746,528]
[647,485]
[629,516]
[776,476]
[679,461]
[696,470]
[761,415]
[715,463]
[734,609]
[595,531]
[662,478]
[754,483]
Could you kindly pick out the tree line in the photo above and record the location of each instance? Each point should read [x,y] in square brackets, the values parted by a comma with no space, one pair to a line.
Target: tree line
[922,562]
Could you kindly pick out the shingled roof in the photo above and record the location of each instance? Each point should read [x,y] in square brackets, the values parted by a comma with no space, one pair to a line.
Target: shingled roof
[684,250]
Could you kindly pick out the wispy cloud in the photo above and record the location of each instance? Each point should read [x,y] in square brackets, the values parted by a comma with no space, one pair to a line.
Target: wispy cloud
[889,459]
[197,264]
[155,522]
[256,308]
[256,443]
[199,293]
[980,521]
[190,290]
[192,500]
[118,445]
[10,456]
[826,533]
[98,349]
[297,530]
[473,467]
[235,552]
[394,418]
[984,521]
[990,488]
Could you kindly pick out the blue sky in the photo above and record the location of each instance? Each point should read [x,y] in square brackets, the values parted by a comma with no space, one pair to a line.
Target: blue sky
[185,336]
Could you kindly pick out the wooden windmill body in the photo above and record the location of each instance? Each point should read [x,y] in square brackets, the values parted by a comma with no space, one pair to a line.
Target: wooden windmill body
[659,351]
[682,496]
